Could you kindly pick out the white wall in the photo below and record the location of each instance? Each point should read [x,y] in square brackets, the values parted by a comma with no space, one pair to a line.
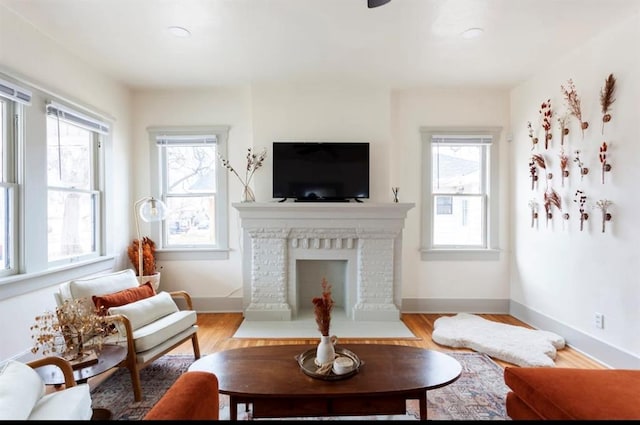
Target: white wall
[28,54]
[568,275]
[431,285]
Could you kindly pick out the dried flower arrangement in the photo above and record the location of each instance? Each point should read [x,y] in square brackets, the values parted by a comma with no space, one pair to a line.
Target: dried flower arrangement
[551,199]
[564,166]
[546,113]
[149,267]
[254,162]
[322,307]
[604,204]
[533,204]
[607,98]
[573,103]
[534,140]
[563,122]
[540,162]
[67,331]
[581,199]
[583,170]
[606,167]
[533,172]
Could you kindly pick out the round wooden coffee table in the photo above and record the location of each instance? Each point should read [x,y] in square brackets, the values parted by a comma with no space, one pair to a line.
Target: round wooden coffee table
[271,380]
[109,357]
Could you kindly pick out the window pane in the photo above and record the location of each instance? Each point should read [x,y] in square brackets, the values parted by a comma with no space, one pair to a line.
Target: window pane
[3,137]
[71,224]
[191,169]
[464,226]
[68,154]
[5,241]
[191,220]
[456,169]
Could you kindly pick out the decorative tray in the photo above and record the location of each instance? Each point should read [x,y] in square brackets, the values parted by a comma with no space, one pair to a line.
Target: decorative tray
[306,361]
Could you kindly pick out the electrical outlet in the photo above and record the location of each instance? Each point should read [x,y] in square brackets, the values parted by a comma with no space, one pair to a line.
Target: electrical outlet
[599,320]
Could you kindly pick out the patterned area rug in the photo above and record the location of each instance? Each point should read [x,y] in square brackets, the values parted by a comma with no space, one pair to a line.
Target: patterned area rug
[478,394]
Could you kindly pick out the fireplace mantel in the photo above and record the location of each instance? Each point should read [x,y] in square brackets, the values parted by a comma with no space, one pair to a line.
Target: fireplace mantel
[367,234]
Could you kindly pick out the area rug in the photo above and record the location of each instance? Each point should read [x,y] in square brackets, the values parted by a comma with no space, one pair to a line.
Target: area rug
[514,344]
[478,394]
[305,326]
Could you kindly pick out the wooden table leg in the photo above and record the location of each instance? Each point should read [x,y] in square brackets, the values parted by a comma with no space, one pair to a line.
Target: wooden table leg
[233,408]
[423,406]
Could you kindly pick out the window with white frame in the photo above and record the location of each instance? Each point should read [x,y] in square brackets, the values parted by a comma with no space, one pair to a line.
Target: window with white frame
[193,186]
[460,190]
[13,100]
[73,165]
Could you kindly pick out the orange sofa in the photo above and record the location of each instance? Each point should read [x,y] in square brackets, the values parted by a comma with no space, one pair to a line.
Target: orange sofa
[567,393]
[194,396]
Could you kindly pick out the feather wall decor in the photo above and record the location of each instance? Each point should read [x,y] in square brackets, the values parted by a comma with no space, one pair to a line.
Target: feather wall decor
[607,98]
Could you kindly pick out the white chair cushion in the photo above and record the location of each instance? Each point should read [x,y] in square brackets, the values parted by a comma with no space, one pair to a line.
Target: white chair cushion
[147,310]
[102,285]
[158,332]
[70,404]
[20,390]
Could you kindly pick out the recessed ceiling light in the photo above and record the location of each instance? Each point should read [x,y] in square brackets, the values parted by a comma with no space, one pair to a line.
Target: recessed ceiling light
[179,32]
[472,33]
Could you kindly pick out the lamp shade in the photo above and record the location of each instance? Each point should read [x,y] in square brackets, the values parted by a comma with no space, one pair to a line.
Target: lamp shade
[152,210]
[376,3]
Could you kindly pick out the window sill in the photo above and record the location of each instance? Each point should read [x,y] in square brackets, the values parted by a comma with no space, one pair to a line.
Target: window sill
[192,254]
[460,254]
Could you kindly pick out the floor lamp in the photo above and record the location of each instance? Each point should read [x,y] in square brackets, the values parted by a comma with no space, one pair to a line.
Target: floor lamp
[150,210]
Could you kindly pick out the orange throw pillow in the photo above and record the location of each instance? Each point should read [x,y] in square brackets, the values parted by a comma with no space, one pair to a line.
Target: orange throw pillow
[126,296]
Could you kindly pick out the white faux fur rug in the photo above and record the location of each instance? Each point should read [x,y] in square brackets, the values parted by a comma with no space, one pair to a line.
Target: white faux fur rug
[514,344]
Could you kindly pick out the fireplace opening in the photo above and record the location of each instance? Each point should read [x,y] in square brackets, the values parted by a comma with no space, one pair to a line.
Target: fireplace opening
[309,274]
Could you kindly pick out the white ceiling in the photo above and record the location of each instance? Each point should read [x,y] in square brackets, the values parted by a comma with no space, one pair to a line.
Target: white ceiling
[405,43]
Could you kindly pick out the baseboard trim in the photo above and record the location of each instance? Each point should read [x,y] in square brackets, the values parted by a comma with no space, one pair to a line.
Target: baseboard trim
[609,355]
[450,305]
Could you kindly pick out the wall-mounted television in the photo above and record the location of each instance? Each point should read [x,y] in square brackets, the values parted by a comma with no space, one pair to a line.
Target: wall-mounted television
[321,171]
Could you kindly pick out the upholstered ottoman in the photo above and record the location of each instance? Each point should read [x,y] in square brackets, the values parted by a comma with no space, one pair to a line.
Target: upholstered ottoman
[194,396]
[567,393]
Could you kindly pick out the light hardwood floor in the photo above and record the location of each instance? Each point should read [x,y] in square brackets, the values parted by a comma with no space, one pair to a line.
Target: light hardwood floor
[216,331]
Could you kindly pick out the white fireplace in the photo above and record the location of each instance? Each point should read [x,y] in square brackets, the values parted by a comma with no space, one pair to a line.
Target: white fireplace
[361,244]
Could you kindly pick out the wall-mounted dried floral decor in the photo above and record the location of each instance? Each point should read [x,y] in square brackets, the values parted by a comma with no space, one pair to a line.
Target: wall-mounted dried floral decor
[533,205]
[604,204]
[583,170]
[605,166]
[581,199]
[545,114]
[573,103]
[607,98]
[563,123]
[534,140]
[551,199]
[564,167]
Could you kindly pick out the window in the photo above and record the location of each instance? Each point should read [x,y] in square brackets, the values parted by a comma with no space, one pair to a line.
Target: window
[459,178]
[13,99]
[73,203]
[193,186]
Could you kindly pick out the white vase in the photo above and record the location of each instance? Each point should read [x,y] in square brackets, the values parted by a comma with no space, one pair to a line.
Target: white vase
[326,351]
[154,279]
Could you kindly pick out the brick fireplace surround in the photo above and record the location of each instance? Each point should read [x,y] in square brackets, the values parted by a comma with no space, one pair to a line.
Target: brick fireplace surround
[367,236]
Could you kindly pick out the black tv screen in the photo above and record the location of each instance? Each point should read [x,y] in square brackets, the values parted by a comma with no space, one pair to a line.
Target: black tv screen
[321,171]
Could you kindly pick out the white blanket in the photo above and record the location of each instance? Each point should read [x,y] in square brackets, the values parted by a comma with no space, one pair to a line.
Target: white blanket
[514,344]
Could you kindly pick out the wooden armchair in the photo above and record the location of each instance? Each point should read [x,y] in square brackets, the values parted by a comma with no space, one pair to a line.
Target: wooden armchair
[149,327]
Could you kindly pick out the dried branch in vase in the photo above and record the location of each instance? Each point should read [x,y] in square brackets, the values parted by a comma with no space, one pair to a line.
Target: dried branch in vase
[604,204]
[564,166]
[534,140]
[533,204]
[581,199]
[322,307]
[606,167]
[551,199]
[546,113]
[573,103]
[583,170]
[607,98]
[563,122]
